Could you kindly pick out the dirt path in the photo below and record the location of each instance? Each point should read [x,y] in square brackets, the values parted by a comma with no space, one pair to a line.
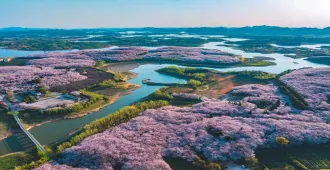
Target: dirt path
[221,86]
[121,66]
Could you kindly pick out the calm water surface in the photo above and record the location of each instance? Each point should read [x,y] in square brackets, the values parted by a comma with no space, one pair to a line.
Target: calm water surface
[4,53]
[309,46]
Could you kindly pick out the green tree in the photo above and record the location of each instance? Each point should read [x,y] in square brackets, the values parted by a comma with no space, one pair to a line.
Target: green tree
[162,95]
[288,167]
[194,83]
[11,96]
[282,141]
[29,99]
[299,165]
[37,81]
[43,89]
[100,63]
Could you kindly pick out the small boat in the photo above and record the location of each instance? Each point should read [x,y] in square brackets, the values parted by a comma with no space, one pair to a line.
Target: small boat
[145,80]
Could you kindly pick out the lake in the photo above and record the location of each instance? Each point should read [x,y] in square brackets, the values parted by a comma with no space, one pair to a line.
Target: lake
[54,131]
[309,46]
[5,53]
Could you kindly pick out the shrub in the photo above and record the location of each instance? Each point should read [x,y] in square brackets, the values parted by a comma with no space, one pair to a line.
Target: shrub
[198,162]
[11,96]
[299,165]
[229,138]
[37,81]
[29,99]
[194,83]
[288,167]
[251,161]
[100,63]
[43,89]
[198,76]
[214,132]
[118,77]
[162,95]
[107,83]
[282,141]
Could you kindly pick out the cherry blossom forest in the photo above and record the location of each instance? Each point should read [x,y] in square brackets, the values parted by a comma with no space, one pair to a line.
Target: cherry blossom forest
[165,85]
[217,130]
[17,78]
[183,54]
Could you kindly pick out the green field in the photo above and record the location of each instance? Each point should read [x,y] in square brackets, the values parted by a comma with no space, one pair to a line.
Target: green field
[15,159]
[312,157]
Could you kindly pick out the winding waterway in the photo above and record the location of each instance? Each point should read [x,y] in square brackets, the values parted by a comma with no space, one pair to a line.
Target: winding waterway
[5,53]
[54,131]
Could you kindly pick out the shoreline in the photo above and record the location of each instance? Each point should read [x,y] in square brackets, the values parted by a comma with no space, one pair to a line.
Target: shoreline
[111,101]
[85,113]
[9,133]
[75,117]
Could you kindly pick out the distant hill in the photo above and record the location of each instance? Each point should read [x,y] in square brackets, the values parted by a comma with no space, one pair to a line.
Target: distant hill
[229,31]
[17,29]
[249,31]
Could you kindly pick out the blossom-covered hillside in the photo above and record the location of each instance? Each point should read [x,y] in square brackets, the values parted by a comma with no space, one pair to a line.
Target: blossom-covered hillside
[21,78]
[216,130]
[118,54]
[61,62]
[192,55]
[314,86]
[184,54]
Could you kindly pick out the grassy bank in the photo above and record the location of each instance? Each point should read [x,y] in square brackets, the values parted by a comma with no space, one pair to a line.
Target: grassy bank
[9,161]
[6,121]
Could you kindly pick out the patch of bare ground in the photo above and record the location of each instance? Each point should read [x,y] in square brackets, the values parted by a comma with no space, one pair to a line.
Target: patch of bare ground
[122,67]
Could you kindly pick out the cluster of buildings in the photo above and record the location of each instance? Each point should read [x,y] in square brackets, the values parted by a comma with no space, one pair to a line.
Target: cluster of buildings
[6,59]
[2,102]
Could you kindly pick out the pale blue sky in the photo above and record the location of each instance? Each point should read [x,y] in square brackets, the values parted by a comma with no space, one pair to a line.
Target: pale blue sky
[163,13]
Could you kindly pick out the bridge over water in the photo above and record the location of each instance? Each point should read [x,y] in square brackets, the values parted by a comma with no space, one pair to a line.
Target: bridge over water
[19,122]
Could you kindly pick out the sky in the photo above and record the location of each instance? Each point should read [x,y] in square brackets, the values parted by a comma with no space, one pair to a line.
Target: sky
[163,13]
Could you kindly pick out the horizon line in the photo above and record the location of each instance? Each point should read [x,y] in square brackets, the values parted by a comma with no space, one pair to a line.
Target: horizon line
[22,27]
